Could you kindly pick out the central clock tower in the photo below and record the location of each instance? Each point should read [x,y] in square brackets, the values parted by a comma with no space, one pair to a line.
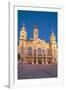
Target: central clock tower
[35,33]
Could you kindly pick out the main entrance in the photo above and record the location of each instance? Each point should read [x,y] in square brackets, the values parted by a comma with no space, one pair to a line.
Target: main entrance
[40,60]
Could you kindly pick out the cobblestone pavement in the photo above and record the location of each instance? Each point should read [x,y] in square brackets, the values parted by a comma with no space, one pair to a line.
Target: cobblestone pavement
[28,71]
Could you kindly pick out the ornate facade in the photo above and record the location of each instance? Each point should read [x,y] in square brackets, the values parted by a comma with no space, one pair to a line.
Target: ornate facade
[37,51]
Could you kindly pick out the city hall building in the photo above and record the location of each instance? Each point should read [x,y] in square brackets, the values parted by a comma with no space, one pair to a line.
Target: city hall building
[35,50]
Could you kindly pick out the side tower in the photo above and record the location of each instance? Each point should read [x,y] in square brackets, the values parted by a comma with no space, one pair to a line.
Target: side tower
[35,33]
[23,43]
[23,33]
[23,36]
[53,48]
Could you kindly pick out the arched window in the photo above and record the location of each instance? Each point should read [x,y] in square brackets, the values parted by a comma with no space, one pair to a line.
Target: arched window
[34,51]
[43,51]
[46,52]
[30,51]
[39,51]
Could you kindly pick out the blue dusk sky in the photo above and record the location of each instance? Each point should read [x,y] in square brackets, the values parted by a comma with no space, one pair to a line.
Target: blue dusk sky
[45,21]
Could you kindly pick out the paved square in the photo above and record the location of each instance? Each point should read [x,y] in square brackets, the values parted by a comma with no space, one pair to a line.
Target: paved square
[28,71]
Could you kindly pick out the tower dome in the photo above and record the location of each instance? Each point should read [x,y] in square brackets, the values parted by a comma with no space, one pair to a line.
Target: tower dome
[36,26]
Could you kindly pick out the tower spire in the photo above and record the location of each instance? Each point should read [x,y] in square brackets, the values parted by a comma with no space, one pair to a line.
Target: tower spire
[23,27]
[52,32]
[23,33]
[23,24]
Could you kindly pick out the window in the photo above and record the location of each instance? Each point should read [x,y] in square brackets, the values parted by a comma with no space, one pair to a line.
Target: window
[43,51]
[30,51]
[39,51]
[46,52]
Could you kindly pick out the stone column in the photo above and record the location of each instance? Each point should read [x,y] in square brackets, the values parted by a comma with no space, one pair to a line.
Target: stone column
[42,57]
[42,60]
[53,61]
[24,55]
[36,60]
[36,56]
[33,60]
[24,60]
[46,60]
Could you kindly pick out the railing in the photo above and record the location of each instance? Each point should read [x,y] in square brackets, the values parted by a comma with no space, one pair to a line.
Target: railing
[38,56]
